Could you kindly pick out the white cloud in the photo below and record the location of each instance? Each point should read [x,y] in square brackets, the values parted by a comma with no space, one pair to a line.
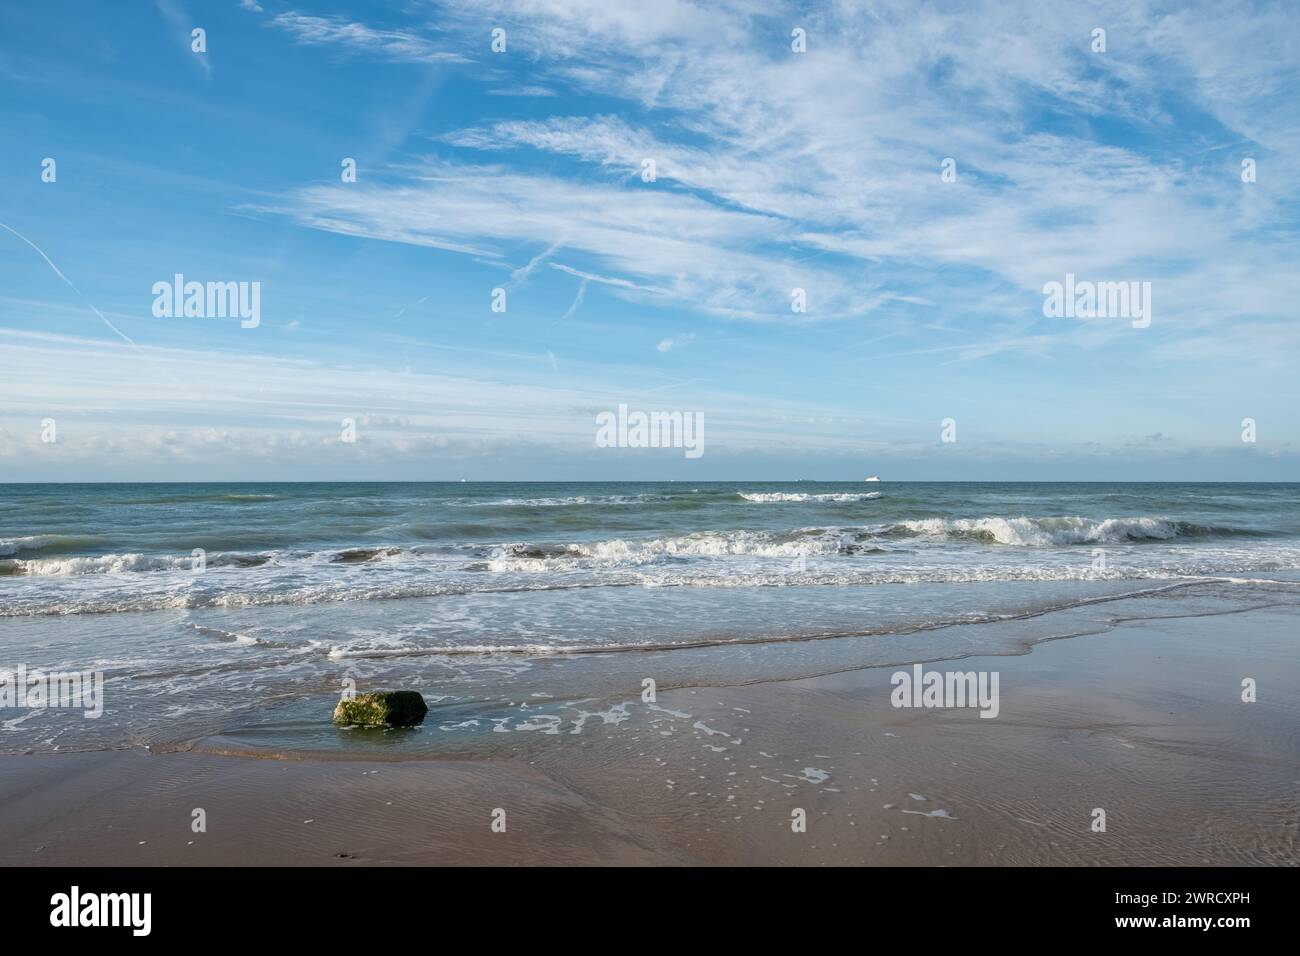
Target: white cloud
[663,244]
[359,38]
[522,91]
[821,170]
[676,341]
[251,414]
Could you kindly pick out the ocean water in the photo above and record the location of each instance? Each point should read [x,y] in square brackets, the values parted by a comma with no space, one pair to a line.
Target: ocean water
[236,611]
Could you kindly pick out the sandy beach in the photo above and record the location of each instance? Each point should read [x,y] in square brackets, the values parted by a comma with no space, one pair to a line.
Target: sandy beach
[1144,720]
[650,435]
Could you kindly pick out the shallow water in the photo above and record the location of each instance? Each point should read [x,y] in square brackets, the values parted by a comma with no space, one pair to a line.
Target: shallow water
[488,596]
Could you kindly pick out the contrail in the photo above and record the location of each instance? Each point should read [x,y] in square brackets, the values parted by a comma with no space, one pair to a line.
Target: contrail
[582,293]
[71,285]
[522,273]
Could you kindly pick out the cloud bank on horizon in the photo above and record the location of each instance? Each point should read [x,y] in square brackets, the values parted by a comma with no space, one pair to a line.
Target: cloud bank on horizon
[826,229]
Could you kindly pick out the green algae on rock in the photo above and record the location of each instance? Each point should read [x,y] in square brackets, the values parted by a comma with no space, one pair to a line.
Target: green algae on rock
[391,708]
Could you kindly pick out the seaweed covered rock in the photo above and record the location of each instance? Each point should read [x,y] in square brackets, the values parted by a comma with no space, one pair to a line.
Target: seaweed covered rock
[389,708]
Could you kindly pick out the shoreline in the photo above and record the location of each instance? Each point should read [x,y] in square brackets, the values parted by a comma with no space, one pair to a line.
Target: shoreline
[1144,721]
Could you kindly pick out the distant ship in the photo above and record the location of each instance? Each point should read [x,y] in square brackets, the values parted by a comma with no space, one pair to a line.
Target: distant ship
[872,478]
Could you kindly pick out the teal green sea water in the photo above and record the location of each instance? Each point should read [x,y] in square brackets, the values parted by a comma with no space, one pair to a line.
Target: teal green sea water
[203,602]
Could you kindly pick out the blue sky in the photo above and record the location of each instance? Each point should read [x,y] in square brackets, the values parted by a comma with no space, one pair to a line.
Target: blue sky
[522,170]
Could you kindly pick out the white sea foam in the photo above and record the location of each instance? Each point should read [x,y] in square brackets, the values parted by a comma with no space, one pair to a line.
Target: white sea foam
[286,586]
[103,564]
[71,565]
[570,500]
[1015,531]
[1019,531]
[343,653]
[1045,532]
[615,715]
[780,496]
[621,552]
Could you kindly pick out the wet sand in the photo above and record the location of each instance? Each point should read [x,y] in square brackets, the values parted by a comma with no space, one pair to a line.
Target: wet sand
[1144,721]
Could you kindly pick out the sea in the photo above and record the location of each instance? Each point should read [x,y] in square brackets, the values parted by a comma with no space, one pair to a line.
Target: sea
[231,616]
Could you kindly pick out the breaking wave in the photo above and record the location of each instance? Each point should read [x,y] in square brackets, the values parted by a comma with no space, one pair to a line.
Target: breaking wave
[1023,532]
[570,501]
[624,553]
[1050,532]
[785,497]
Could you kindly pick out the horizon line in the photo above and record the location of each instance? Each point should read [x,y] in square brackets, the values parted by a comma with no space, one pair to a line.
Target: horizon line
[642,481]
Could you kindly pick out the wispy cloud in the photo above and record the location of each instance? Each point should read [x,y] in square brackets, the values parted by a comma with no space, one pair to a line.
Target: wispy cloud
[676,342]
[522,91]
[821,170]
[237,408]
[354,37]
[780,180]
[181,25]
